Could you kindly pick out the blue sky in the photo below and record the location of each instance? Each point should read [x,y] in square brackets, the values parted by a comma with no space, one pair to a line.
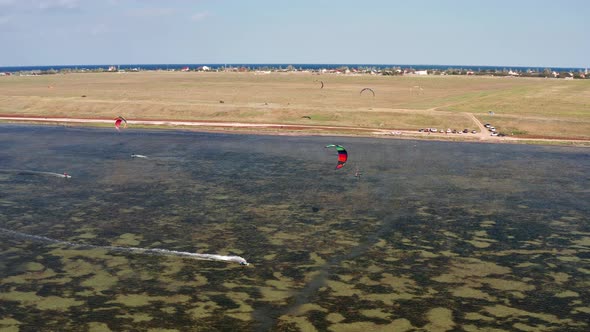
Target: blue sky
[468,32]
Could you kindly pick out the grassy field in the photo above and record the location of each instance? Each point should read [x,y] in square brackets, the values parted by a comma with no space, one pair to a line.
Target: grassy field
[523,107]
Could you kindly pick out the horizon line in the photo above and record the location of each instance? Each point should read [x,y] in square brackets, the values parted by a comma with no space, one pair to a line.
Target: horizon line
[293,64]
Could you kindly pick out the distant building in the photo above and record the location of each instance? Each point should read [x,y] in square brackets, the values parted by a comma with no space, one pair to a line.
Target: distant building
[421,72]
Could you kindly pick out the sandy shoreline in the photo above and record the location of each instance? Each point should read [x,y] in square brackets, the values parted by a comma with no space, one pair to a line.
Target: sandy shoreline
[297,129]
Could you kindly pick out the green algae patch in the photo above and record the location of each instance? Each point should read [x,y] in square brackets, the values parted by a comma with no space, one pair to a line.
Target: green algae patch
[317,259]
[478,243]
[271,294]
[9,328]
[78,267]
[98,327]
[138,300]
[477,316]
[269,257]
[137,317]
[27,298]
[528,328]
[335,317]
[487,223]
[133,300]
[204,309]
[57,303]
[301,323]
[507,285]
[33,267]
[559,277]
[398,325]
[470,267]
[567,293]
[244,310]
[29,276]
[440,319]
[427,254]
[283,283]
[585,310]
[128,239]
[100,281]
[375,313]
[473,293]
[305,308]
[41,302]
[502,311]
[9,325]
[342,289]
[583,242]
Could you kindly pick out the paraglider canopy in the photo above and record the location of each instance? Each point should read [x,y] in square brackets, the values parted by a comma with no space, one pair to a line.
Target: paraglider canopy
[118,121]
[342,154]
[367,89]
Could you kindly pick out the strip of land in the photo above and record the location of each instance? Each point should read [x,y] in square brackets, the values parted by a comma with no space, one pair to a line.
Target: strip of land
[530,110]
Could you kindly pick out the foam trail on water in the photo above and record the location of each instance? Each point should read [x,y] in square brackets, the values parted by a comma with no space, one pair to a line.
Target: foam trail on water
[152,251]
[29,172]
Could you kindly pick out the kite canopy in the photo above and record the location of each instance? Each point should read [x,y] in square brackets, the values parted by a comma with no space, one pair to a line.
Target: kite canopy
[118,121]
[342,154]
[367,89]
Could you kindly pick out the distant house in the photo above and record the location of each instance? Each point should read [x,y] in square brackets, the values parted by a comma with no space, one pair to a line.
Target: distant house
[421,72]
[205,68]
[513,73]
[185,69]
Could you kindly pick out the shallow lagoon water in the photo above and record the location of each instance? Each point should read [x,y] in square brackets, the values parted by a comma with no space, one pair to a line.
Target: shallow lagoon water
[434,236]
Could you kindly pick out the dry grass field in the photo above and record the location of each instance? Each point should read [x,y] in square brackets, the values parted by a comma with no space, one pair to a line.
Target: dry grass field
[522,107]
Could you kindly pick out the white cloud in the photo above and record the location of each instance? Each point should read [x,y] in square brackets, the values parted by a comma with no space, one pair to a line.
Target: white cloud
[200,16]
[99,29]
[58,4]
[35,5]
[151,12]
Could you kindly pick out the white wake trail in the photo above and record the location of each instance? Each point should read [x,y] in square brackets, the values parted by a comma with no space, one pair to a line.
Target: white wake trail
[29,172]
[151,251]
